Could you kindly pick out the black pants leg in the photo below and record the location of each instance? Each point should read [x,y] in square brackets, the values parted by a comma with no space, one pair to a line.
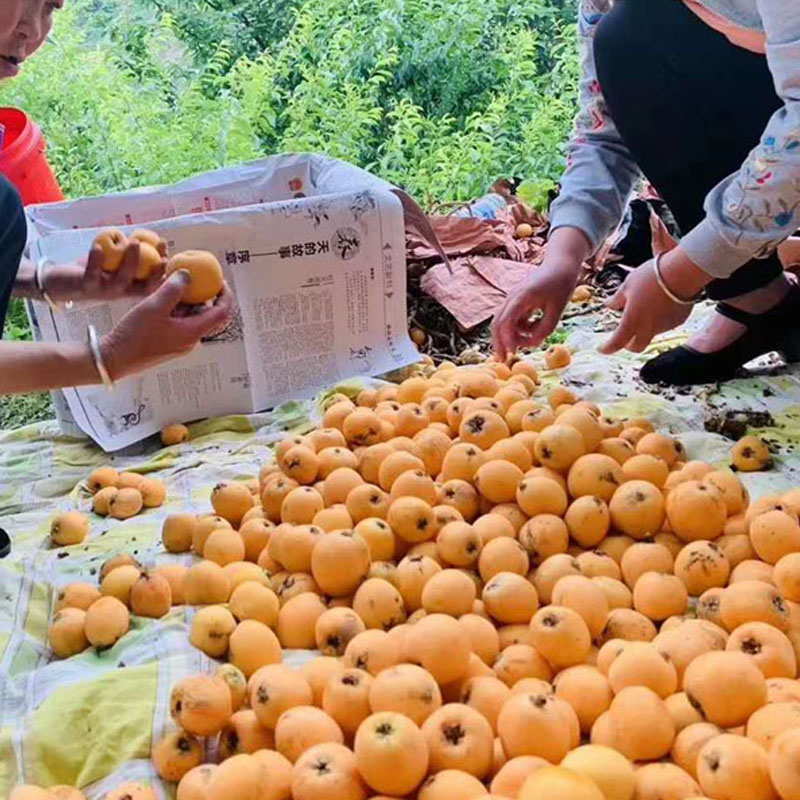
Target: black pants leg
[13,234]
[689,105]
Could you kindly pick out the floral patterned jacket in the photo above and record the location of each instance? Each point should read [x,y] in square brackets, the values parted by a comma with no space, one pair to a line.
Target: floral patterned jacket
[749,213]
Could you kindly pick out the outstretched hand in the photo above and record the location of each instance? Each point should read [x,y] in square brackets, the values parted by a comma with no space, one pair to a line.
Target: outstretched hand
[86,279]
[647,311]
[545,294]
[158,328]
[531,314]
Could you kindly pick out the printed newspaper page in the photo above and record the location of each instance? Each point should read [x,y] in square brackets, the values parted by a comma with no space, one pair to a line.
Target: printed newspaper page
[323,295]
[320,290]
[267,180]
[212,380]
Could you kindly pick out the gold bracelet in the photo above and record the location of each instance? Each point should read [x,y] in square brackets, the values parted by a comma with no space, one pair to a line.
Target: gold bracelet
[97,357]
[667,291]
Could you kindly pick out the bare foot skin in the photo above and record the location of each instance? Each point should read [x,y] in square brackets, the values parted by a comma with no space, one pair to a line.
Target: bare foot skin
[720,331]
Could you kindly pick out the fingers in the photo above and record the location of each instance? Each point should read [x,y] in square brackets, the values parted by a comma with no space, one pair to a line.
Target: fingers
[622,335]
[497,346]
[225,297]
[628,337]
[511,320]
[499,339]
[617,302]
[508,339]
[655,233]
[154,279]
[500,329]
[513,327]
[130,263]
[640,341]
[186,311]
[170,293]
[535,333]
[212,319]
[662,240]
[94,265]
[495,330]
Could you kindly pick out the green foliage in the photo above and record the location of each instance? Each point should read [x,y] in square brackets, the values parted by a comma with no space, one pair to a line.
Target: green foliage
[21,409]
[110,128]
[558,336]
[17,328]
[535,192]
[439,96]
[24,409]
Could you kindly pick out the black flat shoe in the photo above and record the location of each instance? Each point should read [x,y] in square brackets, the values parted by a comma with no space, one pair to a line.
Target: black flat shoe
[5,544]
[776,330]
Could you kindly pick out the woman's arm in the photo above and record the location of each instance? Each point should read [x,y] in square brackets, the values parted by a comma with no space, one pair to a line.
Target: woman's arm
[153,331]
[751,212]
[86,280]
[38,367]
[595,188]
[600,173]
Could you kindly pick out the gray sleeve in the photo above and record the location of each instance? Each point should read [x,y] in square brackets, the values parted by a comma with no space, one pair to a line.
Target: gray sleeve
[600,173]
[751,212]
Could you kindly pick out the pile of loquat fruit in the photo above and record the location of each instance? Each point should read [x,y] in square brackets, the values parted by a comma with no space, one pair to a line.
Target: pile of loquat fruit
[512,595]
[120,495]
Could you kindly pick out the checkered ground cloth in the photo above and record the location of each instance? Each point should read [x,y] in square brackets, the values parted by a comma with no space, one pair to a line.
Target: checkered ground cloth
[89,721]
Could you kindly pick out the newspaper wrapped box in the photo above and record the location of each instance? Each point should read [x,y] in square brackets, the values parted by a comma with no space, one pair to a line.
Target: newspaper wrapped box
[314,251]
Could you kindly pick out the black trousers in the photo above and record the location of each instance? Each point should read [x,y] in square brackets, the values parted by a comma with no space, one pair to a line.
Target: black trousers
[13,234]
[689,105]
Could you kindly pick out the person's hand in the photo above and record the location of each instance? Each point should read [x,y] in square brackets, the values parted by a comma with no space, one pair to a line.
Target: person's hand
[160,328]
[647,311]
[86,279]
[547,290]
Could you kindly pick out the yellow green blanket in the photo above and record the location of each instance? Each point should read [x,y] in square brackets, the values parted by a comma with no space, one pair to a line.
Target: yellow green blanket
[89,721]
